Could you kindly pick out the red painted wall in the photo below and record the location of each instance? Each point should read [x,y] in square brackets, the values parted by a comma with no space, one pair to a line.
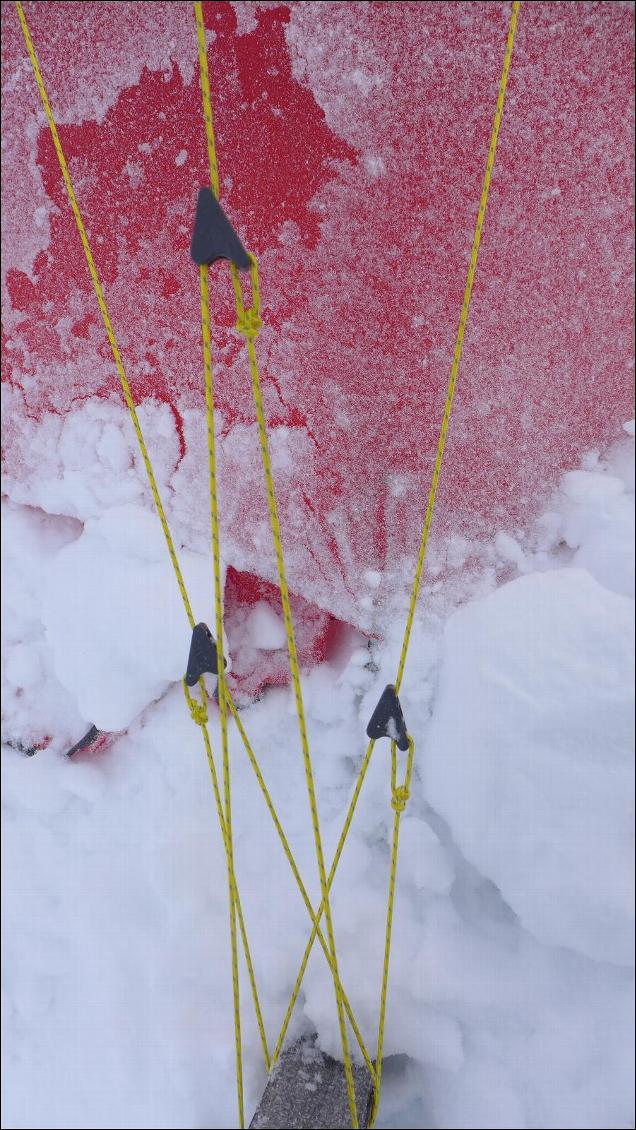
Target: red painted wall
[352,140]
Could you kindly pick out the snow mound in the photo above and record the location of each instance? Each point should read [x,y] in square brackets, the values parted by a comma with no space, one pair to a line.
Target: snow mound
[36,710]
[529,754]
[263,628]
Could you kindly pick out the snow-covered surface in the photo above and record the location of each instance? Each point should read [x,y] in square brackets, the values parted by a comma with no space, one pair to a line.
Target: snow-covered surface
[511,991]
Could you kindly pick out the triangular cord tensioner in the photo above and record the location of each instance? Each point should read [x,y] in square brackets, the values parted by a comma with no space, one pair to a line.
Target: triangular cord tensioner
[213,236]
[202,658]
[387,720]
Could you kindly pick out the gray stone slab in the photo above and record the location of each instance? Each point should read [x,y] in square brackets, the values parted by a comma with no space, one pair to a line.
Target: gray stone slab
[307,1090]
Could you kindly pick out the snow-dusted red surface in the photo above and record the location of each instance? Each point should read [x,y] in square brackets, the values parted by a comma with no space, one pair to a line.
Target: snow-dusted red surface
[352,141]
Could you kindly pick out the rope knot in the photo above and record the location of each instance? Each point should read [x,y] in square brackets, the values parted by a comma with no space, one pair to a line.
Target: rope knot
[248,323]
[198,712]
[400,798]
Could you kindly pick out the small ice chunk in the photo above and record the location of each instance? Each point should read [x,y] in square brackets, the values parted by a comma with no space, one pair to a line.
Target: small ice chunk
[510,550]
[264,628]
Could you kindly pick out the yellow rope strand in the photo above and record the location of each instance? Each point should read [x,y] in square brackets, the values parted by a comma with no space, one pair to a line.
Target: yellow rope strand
[400,794]
[199,712]
[399,799]
[332,874]
[216,558]
[248,324]
[207,101]
[459,343]
[417,580]
[301,886]
[218,604]
[99,294]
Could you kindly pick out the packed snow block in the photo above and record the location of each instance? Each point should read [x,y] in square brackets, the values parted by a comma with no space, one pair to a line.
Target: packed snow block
[114,617]
[530,755]
[307,1089]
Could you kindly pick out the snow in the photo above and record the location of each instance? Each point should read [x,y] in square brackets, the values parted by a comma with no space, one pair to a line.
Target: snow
[263,628]
[510,997]
[114,616]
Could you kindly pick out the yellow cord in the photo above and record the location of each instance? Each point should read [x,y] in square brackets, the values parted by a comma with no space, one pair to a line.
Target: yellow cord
[400,793]
[99,294]
[459,344]
[301,886]
[332,874]
[399,798]
[199,713]
[207,101]
[218,605]
[216,559]
[248,324]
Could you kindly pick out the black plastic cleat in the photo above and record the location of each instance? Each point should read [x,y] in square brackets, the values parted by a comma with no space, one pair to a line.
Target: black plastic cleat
[213,236]
[387,720]
[202,657]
